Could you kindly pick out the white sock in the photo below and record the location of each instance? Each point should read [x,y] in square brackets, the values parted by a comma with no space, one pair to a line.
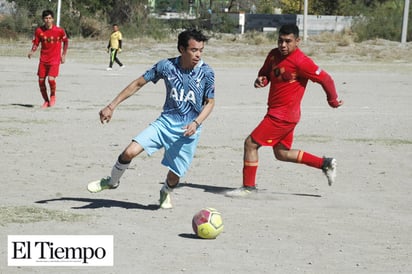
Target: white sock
[117,172]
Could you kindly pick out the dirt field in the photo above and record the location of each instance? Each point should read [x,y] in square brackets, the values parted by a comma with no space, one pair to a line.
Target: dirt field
[295,224]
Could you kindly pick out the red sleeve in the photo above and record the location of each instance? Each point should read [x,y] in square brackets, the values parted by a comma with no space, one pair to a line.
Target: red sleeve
[328,86]
[267,66]
[313,72]
[65,41]
[36,40]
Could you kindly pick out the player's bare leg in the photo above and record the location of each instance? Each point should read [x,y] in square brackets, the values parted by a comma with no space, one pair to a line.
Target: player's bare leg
[122,163]
[328,165]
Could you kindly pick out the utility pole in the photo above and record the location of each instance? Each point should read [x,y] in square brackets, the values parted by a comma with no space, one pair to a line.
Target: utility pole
[405,21]
[305,20]
[59,6]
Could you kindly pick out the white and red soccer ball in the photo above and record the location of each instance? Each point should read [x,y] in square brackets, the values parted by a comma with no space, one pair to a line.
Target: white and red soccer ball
[207,223]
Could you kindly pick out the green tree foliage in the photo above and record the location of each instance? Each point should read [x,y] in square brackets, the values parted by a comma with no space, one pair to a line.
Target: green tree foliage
[292,7]
[82,17]
[92,18]
[325,7]
[328,7]
[383,21]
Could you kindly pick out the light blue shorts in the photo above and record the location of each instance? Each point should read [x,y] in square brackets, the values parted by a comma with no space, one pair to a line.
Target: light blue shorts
[179,150]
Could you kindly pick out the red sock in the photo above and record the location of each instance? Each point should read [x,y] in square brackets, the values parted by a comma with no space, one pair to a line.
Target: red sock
[43,90]
[309,159]
[52,84]
[249,173]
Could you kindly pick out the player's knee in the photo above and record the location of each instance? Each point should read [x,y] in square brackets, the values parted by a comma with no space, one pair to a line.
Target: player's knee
[250,144]
[128,154]
[172,179]
[122,160]
[280,154]
[132,150]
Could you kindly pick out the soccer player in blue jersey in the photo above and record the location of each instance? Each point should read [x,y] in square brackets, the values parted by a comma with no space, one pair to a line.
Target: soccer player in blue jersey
[190,89]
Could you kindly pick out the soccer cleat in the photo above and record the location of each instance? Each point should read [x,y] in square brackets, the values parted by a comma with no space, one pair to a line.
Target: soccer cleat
[52,101]
[109,68]
[102,184]
[329,169]
[165,201]
[45,104]
[241,192]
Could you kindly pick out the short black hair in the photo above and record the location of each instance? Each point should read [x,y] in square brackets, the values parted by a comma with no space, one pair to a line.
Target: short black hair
[289,29]
[47,13]
[185,36]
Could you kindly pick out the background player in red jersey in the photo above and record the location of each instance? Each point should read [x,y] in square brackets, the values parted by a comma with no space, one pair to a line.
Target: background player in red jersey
[288,70]
[51,38]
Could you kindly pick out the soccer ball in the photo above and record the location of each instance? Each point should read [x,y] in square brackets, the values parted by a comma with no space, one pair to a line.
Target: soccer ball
[207,223]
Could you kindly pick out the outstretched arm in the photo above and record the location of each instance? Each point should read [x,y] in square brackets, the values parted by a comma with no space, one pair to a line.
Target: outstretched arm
[310,70]
[107,112]
[328,86]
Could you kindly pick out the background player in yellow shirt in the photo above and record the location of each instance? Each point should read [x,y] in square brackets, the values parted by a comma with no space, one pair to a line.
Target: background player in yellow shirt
[115,46]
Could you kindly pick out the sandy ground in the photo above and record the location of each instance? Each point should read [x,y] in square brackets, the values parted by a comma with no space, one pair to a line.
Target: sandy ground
[295,224]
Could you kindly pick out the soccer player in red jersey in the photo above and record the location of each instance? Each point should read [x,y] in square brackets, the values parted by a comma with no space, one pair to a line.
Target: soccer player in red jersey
[50,37]
[288,70]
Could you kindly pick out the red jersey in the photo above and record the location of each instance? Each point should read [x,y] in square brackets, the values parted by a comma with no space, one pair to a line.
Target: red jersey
[289,76]
[51,44]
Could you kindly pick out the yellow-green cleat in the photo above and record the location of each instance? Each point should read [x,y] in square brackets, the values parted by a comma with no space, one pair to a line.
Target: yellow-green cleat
[241,192]
[100,185]
[165,202]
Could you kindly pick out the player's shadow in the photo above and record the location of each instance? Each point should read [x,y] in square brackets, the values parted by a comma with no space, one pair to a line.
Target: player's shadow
[206,188]
[298,194]
[223,190]
[101,203]
[23,105]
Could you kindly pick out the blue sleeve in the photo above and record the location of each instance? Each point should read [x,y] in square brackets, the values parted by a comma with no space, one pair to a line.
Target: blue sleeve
[154,73]
[210,83]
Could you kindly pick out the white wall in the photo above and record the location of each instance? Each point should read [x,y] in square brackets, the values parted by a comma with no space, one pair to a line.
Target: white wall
[322,23]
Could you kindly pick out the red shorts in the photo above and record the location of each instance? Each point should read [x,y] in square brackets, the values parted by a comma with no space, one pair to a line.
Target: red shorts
[272,131]
[48,70]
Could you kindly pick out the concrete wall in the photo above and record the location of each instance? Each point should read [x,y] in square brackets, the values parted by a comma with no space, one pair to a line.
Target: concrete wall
[322,23]
[316,23]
